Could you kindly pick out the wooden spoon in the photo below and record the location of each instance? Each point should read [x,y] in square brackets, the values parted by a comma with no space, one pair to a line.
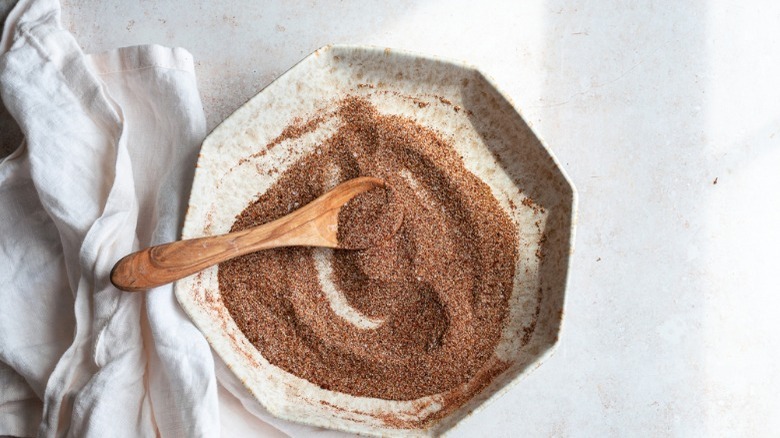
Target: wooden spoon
[315,224]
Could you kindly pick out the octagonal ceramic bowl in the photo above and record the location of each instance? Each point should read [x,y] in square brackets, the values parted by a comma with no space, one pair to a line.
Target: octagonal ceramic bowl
[236,165]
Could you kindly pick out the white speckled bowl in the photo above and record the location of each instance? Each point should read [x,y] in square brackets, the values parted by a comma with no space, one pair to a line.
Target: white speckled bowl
[497,145]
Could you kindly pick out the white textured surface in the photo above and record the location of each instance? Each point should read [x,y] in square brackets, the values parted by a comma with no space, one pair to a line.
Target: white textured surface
[670,325]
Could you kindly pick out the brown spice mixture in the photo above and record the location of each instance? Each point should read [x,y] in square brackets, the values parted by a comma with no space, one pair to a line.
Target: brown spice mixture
[368,219]
[440,285]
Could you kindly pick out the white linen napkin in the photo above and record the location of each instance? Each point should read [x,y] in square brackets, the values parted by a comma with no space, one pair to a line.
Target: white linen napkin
[110,146]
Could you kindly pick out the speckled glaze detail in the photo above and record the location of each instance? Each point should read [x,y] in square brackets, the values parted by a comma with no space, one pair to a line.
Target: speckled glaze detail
[236,165]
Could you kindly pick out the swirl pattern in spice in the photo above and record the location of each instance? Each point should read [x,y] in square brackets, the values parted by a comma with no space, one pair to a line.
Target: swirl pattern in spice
[431,301]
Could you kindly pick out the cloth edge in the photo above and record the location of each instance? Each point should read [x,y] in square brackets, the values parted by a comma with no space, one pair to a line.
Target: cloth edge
[129,58]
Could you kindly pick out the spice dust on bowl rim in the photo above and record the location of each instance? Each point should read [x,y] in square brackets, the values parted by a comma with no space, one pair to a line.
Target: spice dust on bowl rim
[315,126]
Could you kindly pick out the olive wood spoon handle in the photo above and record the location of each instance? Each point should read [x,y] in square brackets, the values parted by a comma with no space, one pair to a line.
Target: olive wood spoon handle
[315,224]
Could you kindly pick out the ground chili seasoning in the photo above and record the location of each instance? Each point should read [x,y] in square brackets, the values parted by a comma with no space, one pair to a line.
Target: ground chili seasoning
[438,288]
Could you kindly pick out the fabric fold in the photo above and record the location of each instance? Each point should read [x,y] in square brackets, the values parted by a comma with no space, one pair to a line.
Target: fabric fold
[111,142]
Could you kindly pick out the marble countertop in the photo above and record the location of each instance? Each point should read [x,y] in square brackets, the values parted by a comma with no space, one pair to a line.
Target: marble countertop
[666,115]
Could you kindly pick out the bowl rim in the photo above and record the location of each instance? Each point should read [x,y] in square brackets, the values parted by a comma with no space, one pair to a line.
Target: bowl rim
[532,365]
